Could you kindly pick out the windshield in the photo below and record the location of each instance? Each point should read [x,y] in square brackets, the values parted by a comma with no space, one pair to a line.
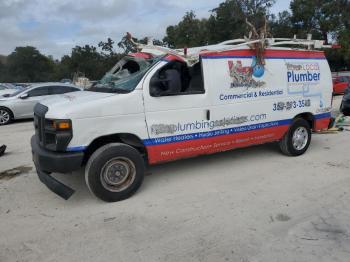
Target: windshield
[7,86]
[125,75]
[15,93]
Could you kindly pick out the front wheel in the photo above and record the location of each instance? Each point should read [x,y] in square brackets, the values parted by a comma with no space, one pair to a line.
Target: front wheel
[297,140]
[114,172]
[5,116]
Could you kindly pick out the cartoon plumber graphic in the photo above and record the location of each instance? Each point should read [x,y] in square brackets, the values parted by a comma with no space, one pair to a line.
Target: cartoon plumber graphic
[243,76]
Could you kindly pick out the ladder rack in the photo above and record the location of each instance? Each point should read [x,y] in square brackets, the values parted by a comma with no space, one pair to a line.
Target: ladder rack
[191,55]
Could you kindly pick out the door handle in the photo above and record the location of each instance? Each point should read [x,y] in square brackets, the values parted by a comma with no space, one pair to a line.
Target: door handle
[208,114]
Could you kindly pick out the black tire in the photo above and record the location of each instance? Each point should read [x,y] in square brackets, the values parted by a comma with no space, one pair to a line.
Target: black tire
[287,145]
[118,162]
[5,112]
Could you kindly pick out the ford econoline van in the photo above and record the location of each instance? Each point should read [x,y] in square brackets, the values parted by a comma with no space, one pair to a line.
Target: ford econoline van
[153,108]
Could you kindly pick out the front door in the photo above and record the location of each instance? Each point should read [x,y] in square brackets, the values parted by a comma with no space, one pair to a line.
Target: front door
[25,106]
[176,109]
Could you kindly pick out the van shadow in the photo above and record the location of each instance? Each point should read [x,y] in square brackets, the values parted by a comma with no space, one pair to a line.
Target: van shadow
[19,121]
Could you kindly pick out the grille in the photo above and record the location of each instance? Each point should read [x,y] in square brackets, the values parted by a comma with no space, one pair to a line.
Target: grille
[39,122]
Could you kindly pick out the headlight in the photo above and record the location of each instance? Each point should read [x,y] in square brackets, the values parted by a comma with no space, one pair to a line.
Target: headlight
[61,124]
[58,124]
[58,133]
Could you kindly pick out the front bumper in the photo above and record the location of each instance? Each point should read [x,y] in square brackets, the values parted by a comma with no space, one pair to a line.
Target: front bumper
[47,162]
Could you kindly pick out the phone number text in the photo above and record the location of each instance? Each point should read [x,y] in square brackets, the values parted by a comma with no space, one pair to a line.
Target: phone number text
[280,106]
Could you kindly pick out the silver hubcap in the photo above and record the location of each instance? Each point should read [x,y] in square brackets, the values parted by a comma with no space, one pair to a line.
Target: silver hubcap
[118,174]
[300,138]
[4,116]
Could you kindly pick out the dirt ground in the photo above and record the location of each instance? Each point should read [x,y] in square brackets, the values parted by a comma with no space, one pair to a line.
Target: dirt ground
[247,205]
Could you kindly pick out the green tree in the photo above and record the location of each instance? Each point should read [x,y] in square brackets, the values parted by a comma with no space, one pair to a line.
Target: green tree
[344,41]
[282,26]
[108,55]
[227,21]
[344,33]
[327,20]
[321,18]
[63,68]
[27,64]
[87,60]
[3,74]
[189,32]
[107,47]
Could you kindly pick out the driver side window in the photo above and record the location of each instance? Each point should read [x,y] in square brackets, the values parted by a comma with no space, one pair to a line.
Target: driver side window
[176,78]
[40,91]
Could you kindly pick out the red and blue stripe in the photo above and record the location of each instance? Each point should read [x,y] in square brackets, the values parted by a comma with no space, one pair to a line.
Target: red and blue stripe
[193,144]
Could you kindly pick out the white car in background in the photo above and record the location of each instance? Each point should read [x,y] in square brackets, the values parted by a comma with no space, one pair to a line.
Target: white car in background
[9,89]
[20,104]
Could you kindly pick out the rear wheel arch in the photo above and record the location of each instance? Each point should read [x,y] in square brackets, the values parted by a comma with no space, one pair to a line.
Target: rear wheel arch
[309,117]
[125,138]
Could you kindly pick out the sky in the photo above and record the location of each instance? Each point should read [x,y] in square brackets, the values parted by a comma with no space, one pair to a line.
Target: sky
[56,26]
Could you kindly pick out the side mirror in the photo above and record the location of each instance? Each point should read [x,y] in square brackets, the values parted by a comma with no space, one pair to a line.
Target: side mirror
[167,86]
[24,96]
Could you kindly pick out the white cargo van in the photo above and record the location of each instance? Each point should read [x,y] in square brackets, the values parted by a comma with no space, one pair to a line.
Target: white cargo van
[153,108]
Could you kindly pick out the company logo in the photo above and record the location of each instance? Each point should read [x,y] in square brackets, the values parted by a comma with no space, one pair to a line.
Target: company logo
[307,73]
[243,76]
[304,78]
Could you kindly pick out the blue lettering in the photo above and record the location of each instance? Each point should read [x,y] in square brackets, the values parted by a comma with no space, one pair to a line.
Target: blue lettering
[303,77]
[309,77]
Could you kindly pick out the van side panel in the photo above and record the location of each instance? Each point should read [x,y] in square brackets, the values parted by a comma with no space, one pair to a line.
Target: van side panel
[248,104]
[166,149]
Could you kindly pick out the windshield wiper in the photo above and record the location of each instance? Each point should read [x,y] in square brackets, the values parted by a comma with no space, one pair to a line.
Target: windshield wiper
[108,90]
[119,90]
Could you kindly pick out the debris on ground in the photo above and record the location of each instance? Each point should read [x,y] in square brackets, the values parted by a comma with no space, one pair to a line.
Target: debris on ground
[282,217]
[11,173]
[343,122]
[2,149]
[338,124]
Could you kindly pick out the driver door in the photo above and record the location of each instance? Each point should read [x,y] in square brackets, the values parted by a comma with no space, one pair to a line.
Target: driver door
[25,105]
[174,121]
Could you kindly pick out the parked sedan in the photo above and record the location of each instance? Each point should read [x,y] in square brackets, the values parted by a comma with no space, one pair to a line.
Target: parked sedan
[20,104]
[345,104]
[340,83]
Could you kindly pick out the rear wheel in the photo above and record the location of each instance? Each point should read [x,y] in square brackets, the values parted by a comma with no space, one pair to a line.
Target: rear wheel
[114,172]
[297,140]
[5,116]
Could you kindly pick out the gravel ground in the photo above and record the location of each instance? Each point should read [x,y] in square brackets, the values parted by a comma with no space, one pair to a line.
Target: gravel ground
[247,205]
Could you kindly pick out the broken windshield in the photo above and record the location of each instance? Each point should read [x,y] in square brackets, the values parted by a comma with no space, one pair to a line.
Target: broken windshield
[125,75]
